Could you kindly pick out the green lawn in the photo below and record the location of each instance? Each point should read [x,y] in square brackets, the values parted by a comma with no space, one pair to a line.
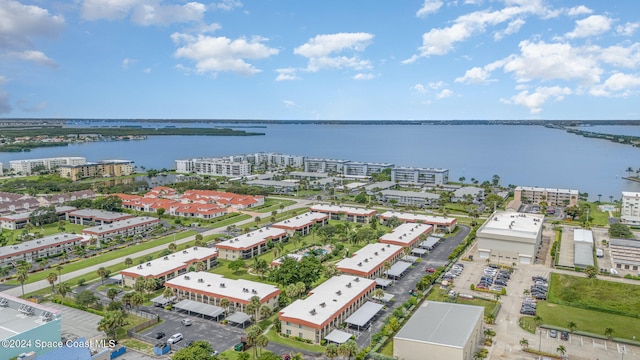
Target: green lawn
[588,320]
[45,230]
[608,296]
[442,296]
[272,205]
[109,255]
[275,338]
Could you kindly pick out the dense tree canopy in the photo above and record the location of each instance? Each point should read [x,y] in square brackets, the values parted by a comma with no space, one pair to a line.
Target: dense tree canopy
[43,215]
[307,271]
[620,231]
[200,350]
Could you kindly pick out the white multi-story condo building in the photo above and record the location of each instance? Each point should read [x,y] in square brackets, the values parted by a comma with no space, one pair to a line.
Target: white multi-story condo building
[25,167]
[553,197]
[324,165]
[1,169]
[630,212]
[414,198]
[271,160]
[213,167]
[32,250]
[411,175]
[355,168]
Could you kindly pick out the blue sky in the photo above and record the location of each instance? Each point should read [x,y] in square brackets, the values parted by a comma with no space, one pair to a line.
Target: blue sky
[353,60]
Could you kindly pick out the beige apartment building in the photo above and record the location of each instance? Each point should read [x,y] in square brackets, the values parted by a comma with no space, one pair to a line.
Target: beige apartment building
[553,197]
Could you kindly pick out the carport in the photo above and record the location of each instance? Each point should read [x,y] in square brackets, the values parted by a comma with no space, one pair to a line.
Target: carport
[419,252]
[338,336]
[398,269]
[383,283]
[162,301]
[364,314]
[409,259]
[202,309]
[239,318]
[386,298]
[430,243]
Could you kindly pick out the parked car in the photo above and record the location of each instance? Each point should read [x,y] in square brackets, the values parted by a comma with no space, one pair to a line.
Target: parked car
[175,338]
[159,335]
[186,322]
[241,346]
[564,335]
[429,270]
[553,333]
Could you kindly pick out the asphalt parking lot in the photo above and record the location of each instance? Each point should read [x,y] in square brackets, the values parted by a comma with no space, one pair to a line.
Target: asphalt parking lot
[439,256]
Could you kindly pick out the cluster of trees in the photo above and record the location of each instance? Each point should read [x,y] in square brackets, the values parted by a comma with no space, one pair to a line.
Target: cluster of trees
[307,271]
[238,188]
[43,185]
[620,231]
[108,203]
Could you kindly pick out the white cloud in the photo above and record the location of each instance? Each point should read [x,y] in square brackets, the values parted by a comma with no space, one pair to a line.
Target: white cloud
[226,5]
[363,76]
[429,7]
[445,93]
[143,12]
[534,101]
[553,61]
[288,104]
[419,88]
[475,75]
[322,51]
[513,27]
[628,57]
[34,56]
[220,54]
[442,41]
[437,85]
[593,25]
[627,29]
[127,61]
[287,74]
[579,10]
[618,84]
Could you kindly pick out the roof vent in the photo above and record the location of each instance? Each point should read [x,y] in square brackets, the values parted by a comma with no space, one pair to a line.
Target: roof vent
[349,285]
[312,312]
[339,292]
[201,280]
[187,277]
[222,285]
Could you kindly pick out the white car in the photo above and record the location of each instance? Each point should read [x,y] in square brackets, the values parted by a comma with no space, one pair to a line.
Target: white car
[174,338]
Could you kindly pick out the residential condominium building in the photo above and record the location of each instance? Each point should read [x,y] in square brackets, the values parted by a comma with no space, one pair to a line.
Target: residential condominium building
[369,261]
[346,213]
[250,244]
[630,211]
[326,307]
[270,160]
[356,168]
[407,235]
[32,250]
[123,228]
[553,197]
[302,224]
[19,220]
[413,198]
[172,265]
[211,288]
[25,167]
[324,165]
[104,168]
[510,237]
[441,223]
[92,217]
[425,176]
[213,167]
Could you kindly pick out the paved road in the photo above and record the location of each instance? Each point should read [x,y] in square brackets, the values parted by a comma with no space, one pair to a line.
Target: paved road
[17,291]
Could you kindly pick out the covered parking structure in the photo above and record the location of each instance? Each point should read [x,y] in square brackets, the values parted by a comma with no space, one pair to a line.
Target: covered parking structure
[364,314]
[398,269]
[201,309]
[239,318]
[419,251]
[383,283]
[430,243]
[338,336]
[163,301]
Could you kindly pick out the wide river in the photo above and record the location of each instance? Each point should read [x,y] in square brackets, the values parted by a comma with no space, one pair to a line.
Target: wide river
[519,154]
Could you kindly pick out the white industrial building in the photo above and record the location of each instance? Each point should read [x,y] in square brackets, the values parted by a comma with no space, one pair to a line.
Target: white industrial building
[582,248]
[441,330]
[630,212]
[510,237]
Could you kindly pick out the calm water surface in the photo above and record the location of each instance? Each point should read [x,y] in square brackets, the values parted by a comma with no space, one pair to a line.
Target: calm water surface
[520,155]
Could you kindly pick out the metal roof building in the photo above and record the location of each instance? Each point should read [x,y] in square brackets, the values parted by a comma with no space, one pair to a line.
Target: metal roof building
[442,330]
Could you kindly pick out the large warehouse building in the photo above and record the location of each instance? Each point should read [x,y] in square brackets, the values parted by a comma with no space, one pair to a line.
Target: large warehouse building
[510,237]
[441,330]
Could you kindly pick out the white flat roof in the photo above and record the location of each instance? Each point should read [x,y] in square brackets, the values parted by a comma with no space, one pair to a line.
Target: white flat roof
[171,262]
[583,235]
[369,257]
[120,224]
[513,224]
[406,233]
[252,239]
[98,214]
[297,222]
[42,243]
[219,286]
[328,299]
[428,219]
[14,322]
[630,194]
[412,194]
[342,209]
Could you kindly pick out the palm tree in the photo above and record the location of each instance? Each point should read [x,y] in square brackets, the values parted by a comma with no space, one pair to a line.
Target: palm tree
[378,293]
[538,320]
[168,293]
[51,278]
[111,322]
[112,293]
[224,303]
[331,351]
[261,342]
[561,349]
[490,318]
[265,312]
[291,291]
[572,326]
[102,273]
[524,343]
[200,266]
[608,332]
[59,270]
[526,292]
[172,247]
[128,262]
[22,277]
[386,266]
[63,289]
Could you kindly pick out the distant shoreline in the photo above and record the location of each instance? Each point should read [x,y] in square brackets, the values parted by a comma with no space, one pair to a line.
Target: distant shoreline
[631,179]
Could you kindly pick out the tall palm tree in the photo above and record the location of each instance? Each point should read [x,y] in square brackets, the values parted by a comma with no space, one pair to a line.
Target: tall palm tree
[261,342]
[538,320]
[378,293]
[63,289]
[524,343]
[51,278]
[331,351]
[168,293]
[22,277]
[224,303]
[572,326]
[561,349]
[386,266]
[59,270]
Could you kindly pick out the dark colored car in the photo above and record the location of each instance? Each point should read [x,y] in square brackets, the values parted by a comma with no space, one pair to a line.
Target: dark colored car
[241,346]
[564,335]
[159,335]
